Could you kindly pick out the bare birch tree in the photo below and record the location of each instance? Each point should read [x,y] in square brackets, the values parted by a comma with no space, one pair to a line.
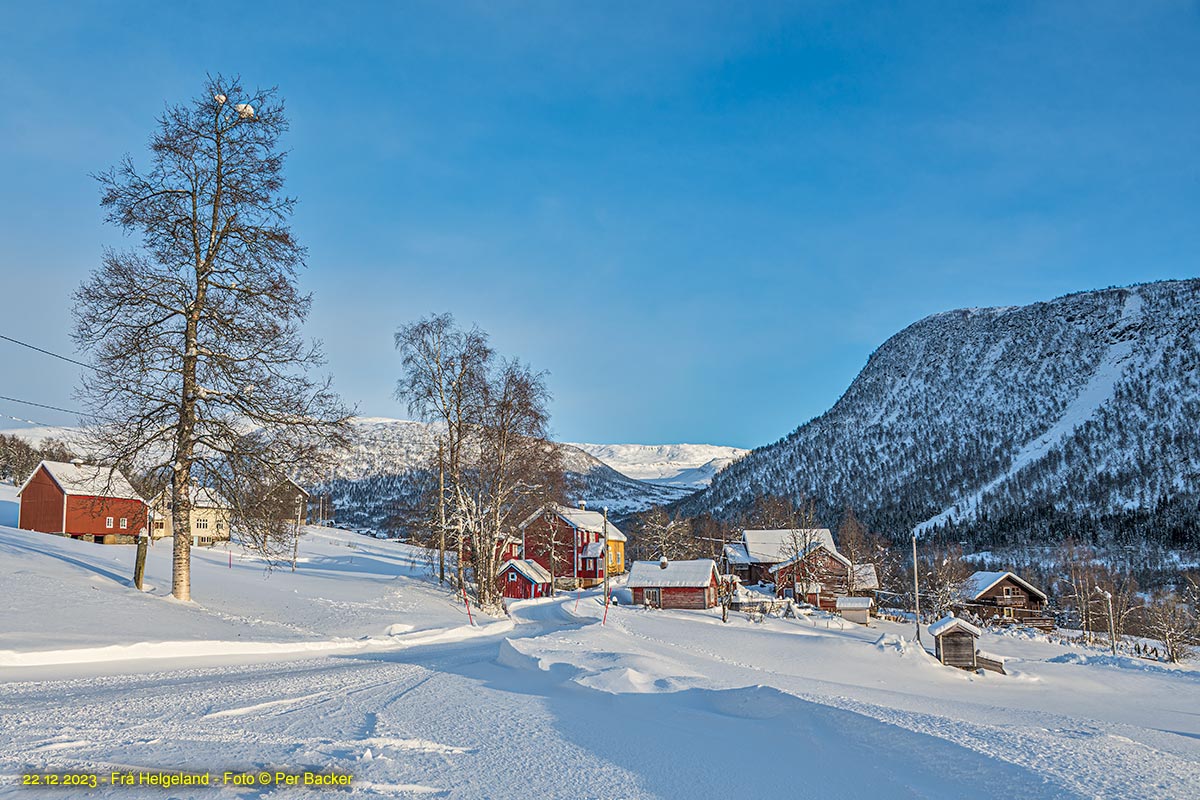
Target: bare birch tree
[496,462]
[201,367]
[658,534]
[443,380]
[945,576]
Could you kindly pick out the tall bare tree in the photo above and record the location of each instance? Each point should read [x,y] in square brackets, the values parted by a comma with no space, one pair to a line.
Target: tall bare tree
[196,335]
[443,380]
[855,544]
[497,464]
[658,534]
[944,575]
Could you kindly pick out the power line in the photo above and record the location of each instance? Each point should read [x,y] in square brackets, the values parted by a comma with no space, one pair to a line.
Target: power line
[46,352]
[43,405]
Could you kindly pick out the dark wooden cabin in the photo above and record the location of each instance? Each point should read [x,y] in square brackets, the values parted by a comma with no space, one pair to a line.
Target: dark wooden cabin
[954,642]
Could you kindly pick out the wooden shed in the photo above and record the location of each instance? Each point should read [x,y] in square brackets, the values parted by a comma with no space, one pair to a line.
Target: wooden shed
[674,584]
[954,642]
[855,609]
[79,499]
[524,580]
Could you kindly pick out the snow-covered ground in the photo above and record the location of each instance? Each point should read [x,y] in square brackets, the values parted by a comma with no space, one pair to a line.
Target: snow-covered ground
[359,662]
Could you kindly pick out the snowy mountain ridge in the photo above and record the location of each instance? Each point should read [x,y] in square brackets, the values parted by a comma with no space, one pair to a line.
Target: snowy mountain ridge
[383,464]
[688,465]
[1009,419]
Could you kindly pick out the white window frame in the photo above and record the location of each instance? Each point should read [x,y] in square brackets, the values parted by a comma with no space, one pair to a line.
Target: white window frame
[512,576]
[124,523]
[108,522]
[202,524]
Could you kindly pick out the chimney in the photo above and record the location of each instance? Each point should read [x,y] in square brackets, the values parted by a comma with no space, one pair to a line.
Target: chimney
[662,563]
[77,462]
[583,505]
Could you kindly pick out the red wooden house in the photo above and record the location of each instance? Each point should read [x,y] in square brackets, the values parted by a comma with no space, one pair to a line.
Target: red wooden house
[570,543]
[81,500]
[674,584]
[523,580]
[819,575]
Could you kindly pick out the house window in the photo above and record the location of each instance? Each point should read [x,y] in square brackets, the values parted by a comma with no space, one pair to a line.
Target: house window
[202,524]
[124,523]
[1008,591]
[108,522]
[159,525]
[1008,612]
[512,577]
[220,525]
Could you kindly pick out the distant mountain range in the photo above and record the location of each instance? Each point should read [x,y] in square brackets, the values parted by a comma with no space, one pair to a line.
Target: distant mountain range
[383,469]
[691,466]
[1074,417]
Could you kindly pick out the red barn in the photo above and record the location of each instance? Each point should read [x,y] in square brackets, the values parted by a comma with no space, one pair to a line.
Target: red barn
[674,584]
[570,543]
[523,580]
[81,500]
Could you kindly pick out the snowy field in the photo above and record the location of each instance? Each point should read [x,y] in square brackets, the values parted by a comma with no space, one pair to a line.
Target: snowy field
[358,662]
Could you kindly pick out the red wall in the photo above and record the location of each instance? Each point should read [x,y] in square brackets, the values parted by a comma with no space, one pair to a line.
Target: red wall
[41,505]
[832,574]
[538,537]
[522,588]
[86,516]
[682,596]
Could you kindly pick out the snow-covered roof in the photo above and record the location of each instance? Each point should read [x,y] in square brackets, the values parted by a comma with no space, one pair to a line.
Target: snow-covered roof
[580,519]
[773,546]
[865,577]
[980,582]
[699,572]
[86,480]
[855,602]
[808,550]
[200,497]
[947,624]
[593,550]
[532,570]
[735,553]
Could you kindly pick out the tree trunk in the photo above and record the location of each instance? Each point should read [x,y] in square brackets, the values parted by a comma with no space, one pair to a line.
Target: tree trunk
[139,565]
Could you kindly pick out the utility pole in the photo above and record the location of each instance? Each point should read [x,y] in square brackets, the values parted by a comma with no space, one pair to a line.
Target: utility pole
[916,587]
[604,559]
[296,538]
[1112,625]
[441,516]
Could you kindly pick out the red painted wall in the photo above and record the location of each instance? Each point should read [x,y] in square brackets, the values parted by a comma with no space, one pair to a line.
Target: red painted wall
[832,574]
[682,596]
[86,516]
[41,505]
[539,535]
[522,588]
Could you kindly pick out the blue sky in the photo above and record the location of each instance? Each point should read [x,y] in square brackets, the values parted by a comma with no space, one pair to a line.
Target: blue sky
[700,219]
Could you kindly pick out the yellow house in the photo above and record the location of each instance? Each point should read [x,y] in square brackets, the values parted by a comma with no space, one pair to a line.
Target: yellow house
[209,518]
[616,550]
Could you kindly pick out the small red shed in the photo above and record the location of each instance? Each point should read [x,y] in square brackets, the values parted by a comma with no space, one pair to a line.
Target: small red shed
[674,584]
[524,580]
[81,500]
